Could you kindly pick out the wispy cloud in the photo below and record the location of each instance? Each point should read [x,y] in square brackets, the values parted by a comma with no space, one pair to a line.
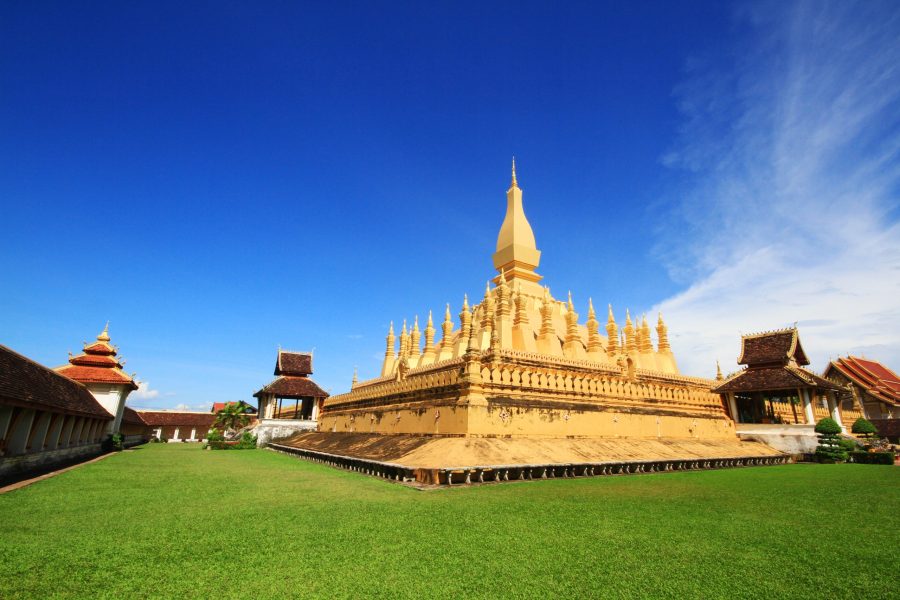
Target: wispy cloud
[792,153]
[144,392]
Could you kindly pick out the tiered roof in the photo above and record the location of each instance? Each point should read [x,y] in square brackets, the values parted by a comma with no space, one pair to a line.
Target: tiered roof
[293,370]
[25,383]
[876,379]
[98,364]
[774,361]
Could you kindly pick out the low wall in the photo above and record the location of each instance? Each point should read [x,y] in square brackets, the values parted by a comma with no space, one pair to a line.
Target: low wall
[276,429]
[791,439]
[16,467]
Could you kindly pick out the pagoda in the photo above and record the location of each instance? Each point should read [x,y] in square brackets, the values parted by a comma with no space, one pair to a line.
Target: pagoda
[99,368]
[520,377]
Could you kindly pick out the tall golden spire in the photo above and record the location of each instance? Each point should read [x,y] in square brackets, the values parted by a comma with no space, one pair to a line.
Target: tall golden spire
[662,334]
[389,352]
[630,341]
[446,327]
[546,314]
[104,335]
[571,321]
[646,342]
[593,344]
[465,319]
[517,251]
[612,334]
[415,335]
[429,336]
[404,340]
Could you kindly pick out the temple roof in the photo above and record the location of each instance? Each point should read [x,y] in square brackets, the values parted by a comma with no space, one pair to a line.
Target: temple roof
[26,383]
[875,378]
[98,364]
[779,347]
[132,417]
[761,379]
[293,387]
[293,363]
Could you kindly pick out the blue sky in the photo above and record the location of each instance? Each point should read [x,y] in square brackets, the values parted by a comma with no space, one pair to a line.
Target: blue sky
[220,179]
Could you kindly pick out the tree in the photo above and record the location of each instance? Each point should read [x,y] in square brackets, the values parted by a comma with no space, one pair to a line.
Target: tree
[864,428]
[829,449]
[233,416]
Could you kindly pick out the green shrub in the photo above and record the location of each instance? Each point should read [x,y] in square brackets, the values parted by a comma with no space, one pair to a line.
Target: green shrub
[115,442]
[247,442]
[872,458]
[215,435]
[849,445]
[829,449]
[863,427]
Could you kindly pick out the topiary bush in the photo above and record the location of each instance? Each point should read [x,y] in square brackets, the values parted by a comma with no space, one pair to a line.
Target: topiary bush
[863,427]
[829,449]
[849,445]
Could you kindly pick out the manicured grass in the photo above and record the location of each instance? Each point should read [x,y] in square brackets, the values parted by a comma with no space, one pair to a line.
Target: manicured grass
[173,521]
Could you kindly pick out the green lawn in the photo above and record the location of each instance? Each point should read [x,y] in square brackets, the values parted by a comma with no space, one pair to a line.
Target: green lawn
[173,521]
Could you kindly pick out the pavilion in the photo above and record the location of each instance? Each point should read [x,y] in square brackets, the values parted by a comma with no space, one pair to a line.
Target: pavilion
[292,383]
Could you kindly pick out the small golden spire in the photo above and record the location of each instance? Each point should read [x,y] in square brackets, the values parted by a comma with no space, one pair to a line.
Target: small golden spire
[719,375]
[355,376]
[514,184]
[104,335]
[591,313]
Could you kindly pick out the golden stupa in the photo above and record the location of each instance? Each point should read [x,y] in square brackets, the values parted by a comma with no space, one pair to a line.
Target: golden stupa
[521,381]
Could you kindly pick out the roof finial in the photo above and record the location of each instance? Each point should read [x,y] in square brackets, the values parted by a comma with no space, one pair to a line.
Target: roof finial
[104,335]
[514,184]
[719,376]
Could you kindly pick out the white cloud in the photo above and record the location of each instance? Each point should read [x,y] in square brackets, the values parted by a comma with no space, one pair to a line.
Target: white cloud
[144,392]
[794,160]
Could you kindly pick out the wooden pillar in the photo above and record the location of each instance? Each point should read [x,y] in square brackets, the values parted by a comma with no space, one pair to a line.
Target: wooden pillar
[807,406]
[835,409]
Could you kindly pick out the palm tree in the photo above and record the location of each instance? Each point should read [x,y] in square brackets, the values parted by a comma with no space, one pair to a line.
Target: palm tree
[233,416]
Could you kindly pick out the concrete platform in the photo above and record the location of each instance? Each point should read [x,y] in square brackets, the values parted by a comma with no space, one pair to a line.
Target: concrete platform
[430,459]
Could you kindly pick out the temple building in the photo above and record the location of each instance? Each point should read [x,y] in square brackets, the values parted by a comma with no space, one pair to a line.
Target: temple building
[774,388]
[292,401]
[522,378]
[50,418]
[874,388]
[100,370]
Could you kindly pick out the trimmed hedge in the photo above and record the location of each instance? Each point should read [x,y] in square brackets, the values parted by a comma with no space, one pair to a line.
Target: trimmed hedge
[872,458]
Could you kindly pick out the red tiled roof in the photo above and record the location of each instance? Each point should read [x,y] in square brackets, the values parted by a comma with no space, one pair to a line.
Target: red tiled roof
[94,360]
[169,418]
[132,417]
[876,379]
[293,387]
[96,375]
[100,348]
[776,347]
[293,363]
[24,382]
